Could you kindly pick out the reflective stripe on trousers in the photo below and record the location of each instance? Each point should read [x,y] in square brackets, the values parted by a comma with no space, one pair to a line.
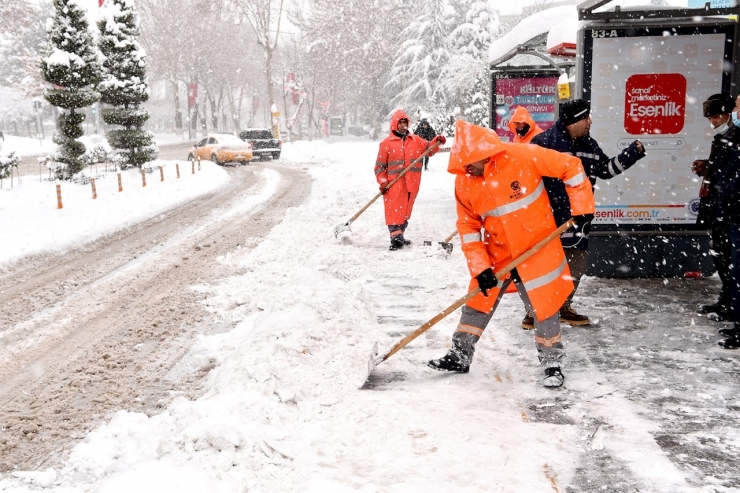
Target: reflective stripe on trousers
[547,332]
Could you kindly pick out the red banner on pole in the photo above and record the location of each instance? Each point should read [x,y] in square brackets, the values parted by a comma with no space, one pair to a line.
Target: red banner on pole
[192,94]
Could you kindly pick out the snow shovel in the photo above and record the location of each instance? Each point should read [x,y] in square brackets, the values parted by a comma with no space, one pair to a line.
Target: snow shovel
[376,358]
[445,244]
[345,227]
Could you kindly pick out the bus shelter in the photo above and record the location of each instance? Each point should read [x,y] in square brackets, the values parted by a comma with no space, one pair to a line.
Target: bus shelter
[526,65]
[646,72]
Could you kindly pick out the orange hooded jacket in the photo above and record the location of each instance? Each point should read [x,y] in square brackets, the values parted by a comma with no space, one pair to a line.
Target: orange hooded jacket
[394,155]
[521,115]
[503,213]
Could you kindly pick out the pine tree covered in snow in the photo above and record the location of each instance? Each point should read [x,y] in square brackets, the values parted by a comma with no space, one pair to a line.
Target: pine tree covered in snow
[124,84]
[423,53]
[479,27]
[70,63]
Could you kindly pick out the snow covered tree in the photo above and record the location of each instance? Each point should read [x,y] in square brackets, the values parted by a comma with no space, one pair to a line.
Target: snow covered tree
[20,45]
[464,81]
[349,54]
[480,27]
[70,63]
[264,16]
[423,53]
[475,101]
[124,84]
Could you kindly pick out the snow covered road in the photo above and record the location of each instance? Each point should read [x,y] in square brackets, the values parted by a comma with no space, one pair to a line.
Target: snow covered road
[103,327]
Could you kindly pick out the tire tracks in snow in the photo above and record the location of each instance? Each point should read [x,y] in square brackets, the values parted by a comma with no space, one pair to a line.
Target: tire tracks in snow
[104,327]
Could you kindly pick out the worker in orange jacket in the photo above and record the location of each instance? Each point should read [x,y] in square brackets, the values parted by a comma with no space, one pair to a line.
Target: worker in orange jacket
[523,126]
[397,152]
[502,211]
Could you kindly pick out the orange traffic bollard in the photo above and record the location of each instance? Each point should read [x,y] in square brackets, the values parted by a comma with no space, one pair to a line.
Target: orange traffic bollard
[177,166]
[59,196]
[198,164]
[95,192]
[120,184]
[143,177]
[161,173]
[193,162]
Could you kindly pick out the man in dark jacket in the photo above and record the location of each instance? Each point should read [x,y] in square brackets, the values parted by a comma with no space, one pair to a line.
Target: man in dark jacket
[570,135]
[729,210]
[717,110]
[426,132]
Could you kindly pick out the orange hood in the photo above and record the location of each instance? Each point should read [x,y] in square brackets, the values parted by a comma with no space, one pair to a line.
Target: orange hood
[398,115]
[521,115]
[472,143]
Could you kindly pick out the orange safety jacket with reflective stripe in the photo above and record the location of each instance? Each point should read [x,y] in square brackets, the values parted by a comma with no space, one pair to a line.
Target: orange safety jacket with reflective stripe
[394,155]
[503,213]
[521,115]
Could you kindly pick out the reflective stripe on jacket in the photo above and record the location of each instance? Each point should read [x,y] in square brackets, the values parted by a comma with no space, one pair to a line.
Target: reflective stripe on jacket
[596,164]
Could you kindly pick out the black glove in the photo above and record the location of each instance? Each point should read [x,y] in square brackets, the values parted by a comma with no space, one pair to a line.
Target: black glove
[582,224]
[486,281]
[632,154]
[383,189]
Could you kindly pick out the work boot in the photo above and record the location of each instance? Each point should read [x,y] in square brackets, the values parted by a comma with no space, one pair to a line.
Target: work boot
[449,362]
[551,359]
[569,316]
[730,332]
[720,316]
[554,377]
[528,321]
[713,308]
[730,342]
[460,355]
[396,243]
[405,241]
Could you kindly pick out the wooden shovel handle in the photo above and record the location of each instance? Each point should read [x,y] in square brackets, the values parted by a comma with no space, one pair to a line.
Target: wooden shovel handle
[499,275]
[405,170]
[447,240]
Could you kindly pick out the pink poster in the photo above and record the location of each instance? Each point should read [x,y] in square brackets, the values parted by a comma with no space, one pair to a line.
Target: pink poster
[537,94]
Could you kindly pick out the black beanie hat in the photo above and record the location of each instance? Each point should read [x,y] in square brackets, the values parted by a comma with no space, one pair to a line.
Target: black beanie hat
[574,111]
[718,104]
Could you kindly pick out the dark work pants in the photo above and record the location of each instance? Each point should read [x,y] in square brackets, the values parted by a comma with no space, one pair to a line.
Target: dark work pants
[578,262]
[735,272]
[721,257]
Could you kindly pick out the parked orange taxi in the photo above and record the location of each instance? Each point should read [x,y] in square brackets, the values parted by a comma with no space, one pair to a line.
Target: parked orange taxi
[222,149]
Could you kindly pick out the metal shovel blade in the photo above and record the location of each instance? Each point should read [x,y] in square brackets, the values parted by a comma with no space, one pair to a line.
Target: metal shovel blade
[372,362]
[340,228]
[446,246]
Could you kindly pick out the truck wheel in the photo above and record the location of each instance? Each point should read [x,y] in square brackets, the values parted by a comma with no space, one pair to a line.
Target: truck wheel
[214,158]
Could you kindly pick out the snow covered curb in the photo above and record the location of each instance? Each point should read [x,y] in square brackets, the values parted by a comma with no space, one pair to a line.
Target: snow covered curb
[33,225]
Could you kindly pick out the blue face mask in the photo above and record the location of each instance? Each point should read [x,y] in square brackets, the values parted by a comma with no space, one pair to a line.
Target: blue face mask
[736,118]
